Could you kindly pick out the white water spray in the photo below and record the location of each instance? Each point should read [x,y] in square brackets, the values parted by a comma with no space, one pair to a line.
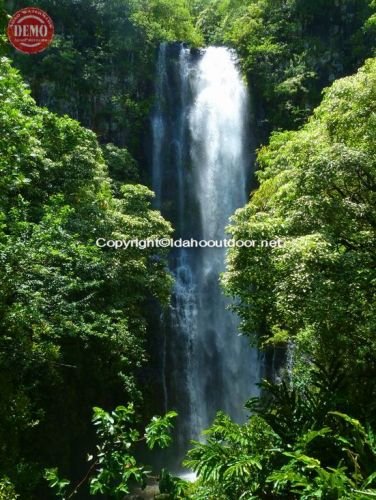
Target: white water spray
[200,166]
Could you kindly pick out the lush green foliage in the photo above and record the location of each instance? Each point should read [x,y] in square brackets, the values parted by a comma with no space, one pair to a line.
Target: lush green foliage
[114,468]
[291,49]
[172,487]
[317,195]
[293,446]
[165,20]
[100,68]
[315,294]
[7,490]
[72,314]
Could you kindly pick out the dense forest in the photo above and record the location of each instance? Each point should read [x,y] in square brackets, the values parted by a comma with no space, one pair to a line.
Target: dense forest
[79,386]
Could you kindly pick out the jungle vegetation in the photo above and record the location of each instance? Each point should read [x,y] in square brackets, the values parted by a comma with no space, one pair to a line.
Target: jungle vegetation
[76,327]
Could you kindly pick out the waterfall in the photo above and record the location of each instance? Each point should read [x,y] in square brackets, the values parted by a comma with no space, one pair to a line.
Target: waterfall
[200,168]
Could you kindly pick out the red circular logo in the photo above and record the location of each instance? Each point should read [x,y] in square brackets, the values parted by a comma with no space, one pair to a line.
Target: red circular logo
[30,30]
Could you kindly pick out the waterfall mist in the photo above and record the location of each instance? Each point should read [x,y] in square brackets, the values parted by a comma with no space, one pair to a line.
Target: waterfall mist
[201,161]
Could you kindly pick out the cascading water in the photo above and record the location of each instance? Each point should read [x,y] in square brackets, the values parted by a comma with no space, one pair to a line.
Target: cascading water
[200,164]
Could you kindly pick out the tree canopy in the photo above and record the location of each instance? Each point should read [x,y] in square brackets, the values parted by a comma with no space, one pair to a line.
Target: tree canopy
[317,194]
[72,314]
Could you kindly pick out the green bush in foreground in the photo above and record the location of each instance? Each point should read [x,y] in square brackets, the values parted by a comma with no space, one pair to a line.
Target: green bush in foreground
[114,468]
[293,447]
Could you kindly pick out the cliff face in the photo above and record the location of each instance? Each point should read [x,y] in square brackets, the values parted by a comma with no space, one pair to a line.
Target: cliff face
[100,67]
[98,71]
